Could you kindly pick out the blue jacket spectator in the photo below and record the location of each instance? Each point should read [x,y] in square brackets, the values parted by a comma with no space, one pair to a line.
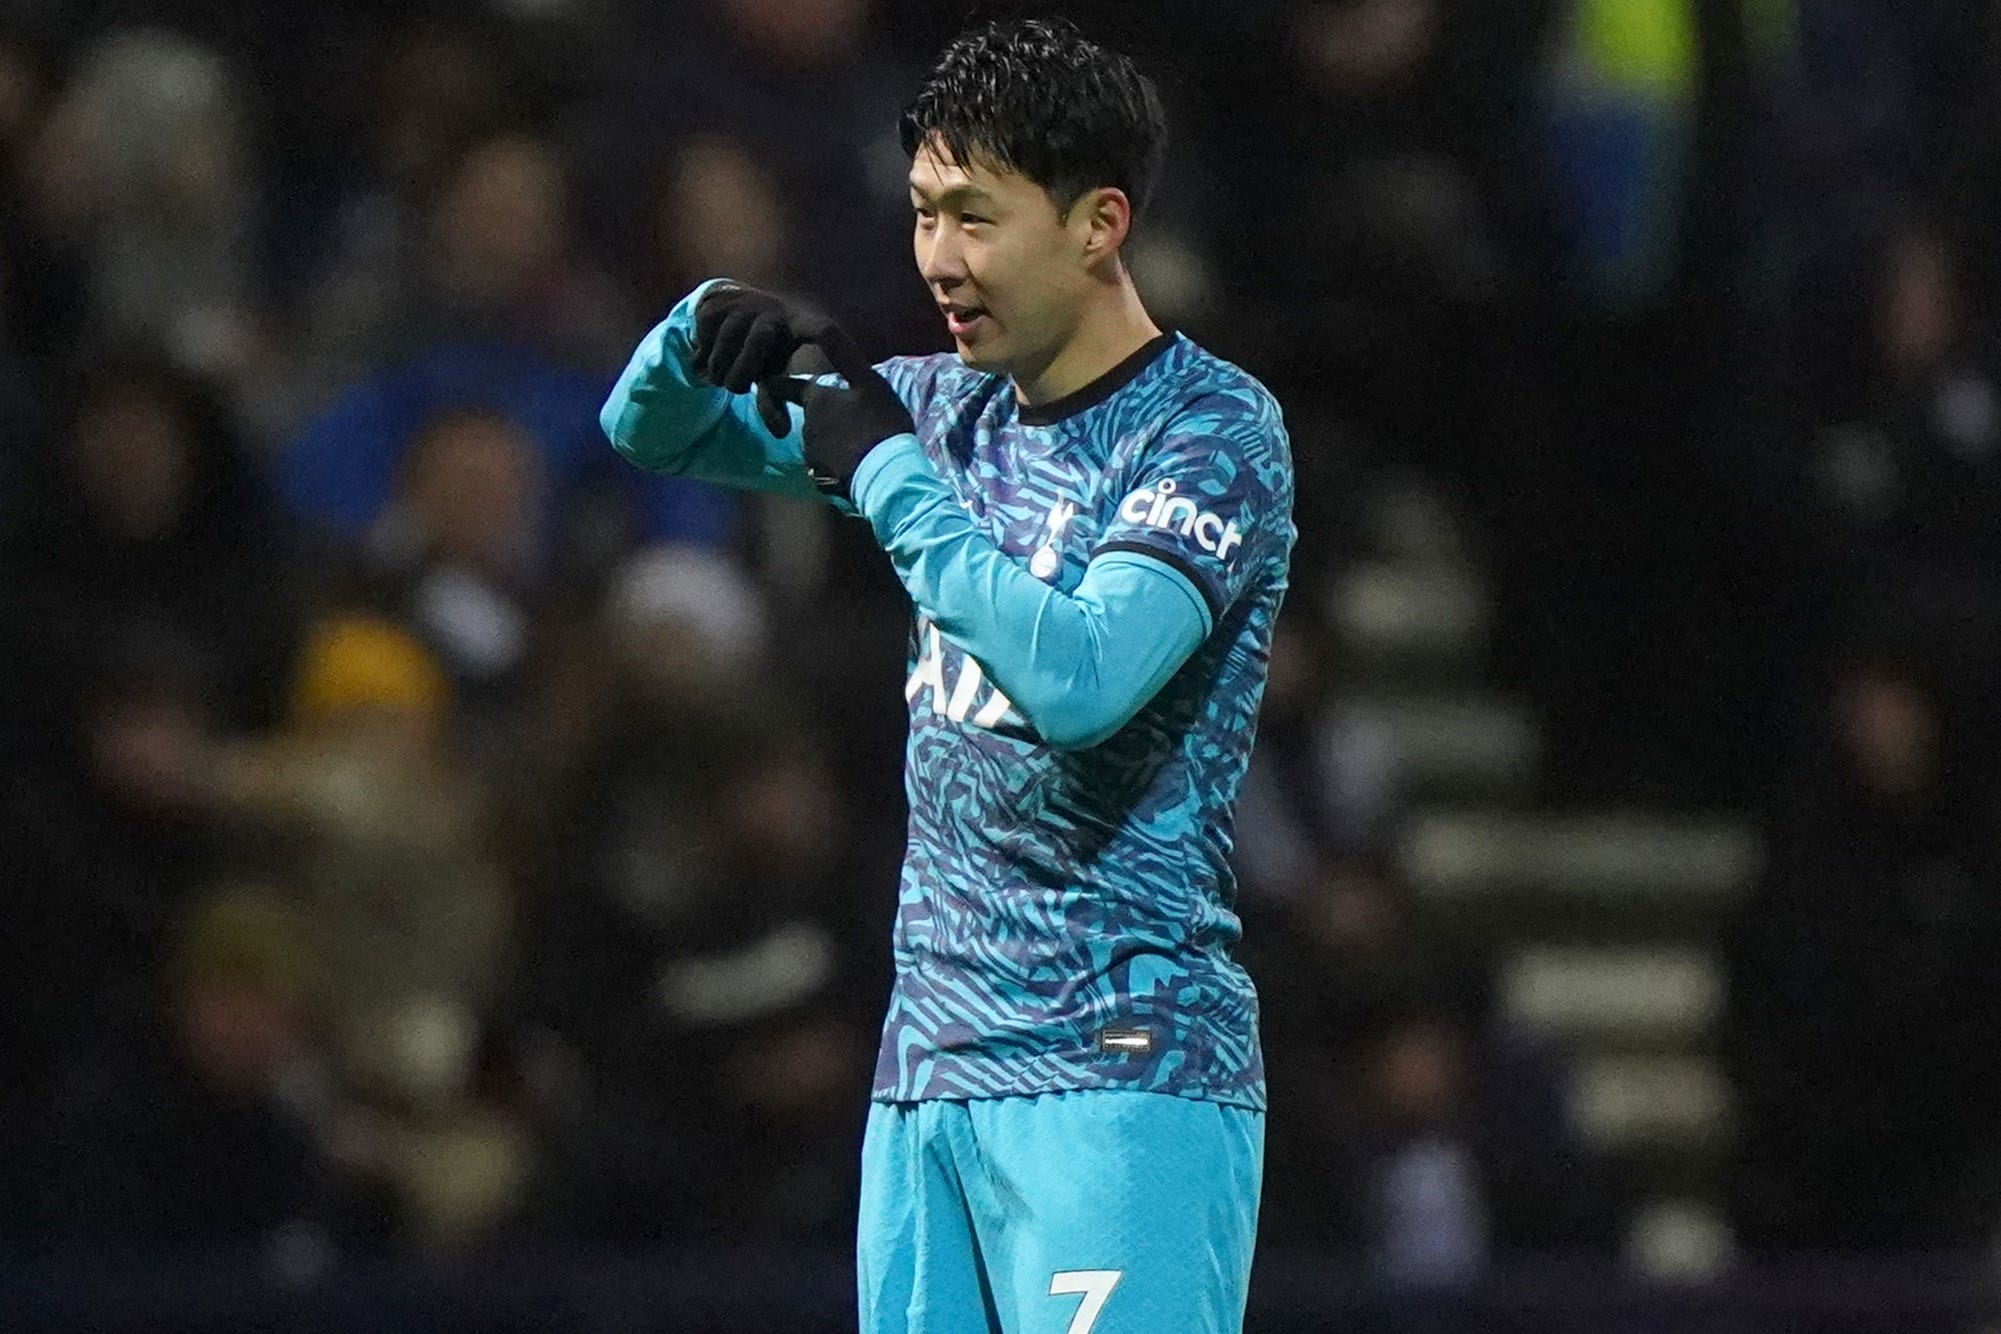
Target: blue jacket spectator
[341,469]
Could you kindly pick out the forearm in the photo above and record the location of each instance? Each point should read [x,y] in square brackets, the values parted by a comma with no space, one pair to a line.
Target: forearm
[1077,665]
[662,419]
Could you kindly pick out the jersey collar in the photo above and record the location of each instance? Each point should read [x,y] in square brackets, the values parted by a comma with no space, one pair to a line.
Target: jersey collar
[1100,389]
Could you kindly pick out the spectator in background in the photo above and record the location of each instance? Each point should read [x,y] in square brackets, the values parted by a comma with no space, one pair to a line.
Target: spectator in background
[387,830]
[811,86]
[490,256]
[494,317]
[1404,122]
[1322,783]
[1418,1208]
[507,258]
[686,627]
[725,206]
[680,630]
[341,473]
[1413,220]
[41,286]
[146,614]
[458,279]
[1422,1139]
[144,171]
[1910,484]
[436,89]
[717,210]
[455,555]
[390,842]
[195,1129]
[148,511]
[696,959]
[1622,97]
[1864,987]
[720,208]
[104,833]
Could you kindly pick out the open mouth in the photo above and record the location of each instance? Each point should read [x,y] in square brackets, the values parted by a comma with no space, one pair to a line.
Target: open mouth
[963,321]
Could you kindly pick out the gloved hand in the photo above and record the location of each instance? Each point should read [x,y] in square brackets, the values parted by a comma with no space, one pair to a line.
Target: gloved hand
[845,422]
[746,337]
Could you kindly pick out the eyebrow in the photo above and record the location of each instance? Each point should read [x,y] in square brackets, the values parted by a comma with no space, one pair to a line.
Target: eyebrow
[956,194]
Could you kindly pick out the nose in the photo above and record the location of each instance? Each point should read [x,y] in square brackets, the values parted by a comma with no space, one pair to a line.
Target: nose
[940,258]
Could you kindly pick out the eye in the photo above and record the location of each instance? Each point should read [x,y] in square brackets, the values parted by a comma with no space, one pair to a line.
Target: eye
[974,220]
[925,215]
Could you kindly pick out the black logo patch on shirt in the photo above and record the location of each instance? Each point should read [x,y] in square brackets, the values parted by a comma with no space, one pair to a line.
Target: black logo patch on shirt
[1125,1041]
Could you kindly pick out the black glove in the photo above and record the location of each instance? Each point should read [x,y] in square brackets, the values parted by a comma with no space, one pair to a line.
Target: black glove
[746,337]
[845,422]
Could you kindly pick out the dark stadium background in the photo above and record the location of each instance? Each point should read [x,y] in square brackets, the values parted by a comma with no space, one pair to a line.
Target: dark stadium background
[446,878]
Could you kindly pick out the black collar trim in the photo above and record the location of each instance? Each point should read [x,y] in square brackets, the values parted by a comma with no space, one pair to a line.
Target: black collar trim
[1100,389]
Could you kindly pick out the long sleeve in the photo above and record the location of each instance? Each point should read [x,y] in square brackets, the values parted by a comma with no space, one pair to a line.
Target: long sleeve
[661,419]
[1077,665]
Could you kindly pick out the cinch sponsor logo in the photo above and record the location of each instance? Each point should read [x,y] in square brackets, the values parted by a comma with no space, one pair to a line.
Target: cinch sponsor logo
[1159,507]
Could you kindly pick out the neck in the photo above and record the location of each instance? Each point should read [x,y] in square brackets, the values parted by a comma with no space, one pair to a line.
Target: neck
[1113,328]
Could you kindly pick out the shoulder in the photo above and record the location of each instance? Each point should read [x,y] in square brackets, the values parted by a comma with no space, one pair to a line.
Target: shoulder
[1217,405]
[1223,395]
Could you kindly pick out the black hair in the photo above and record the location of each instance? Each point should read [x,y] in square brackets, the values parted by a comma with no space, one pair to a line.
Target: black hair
[1036,97]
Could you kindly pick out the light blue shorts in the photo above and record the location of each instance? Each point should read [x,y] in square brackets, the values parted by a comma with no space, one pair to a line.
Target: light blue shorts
[1094,1212]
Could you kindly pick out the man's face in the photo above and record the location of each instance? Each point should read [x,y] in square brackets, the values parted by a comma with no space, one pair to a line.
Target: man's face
[1009,272]
[474,485]
[135,464]
[501,224]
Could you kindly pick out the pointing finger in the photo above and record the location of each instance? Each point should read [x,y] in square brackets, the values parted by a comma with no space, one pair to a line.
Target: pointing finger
[844,354]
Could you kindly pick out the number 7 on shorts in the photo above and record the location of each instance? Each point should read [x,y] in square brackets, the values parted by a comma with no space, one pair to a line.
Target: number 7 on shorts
[1096,1287]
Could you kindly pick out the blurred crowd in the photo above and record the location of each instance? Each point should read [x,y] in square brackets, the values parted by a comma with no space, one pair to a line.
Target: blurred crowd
[421,830]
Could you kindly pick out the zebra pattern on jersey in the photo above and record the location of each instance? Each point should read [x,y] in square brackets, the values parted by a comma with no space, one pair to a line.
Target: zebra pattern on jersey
[1066,918]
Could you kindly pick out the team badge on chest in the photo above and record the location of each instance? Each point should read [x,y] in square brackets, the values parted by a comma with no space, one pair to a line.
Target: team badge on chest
[1047,559]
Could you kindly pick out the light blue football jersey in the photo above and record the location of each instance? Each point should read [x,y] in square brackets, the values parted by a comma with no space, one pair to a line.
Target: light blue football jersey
[1066,917]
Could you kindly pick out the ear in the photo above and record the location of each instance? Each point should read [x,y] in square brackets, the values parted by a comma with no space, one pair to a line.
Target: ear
[1106,217]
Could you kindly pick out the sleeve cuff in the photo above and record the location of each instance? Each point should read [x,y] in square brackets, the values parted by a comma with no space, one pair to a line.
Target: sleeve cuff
[1177,575]
[681,320]
[1174,564]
